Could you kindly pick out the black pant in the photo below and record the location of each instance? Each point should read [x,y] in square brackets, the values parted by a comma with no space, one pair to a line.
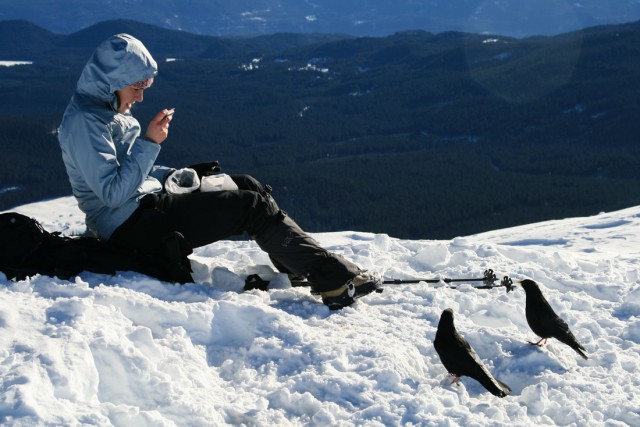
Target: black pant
[204,218]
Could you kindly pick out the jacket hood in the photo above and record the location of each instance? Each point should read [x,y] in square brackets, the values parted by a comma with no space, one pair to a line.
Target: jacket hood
[116,63]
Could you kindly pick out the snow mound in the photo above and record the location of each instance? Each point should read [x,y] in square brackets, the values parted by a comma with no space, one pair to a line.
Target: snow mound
[132,351]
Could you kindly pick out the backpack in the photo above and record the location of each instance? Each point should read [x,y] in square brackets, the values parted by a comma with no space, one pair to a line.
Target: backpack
[26,249]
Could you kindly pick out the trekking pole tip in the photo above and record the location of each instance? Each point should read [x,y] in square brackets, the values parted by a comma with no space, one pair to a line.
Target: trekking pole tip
[507,283]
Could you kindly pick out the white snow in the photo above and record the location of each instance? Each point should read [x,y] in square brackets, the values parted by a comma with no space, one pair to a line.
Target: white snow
[132,351]
[13,63]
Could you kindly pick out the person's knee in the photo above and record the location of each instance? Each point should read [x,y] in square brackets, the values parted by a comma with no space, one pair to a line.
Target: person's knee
[267,204]
[247,182]
[264,211]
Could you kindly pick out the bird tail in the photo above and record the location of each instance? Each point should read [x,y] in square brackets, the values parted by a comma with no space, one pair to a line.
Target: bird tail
[495,386]
[581,351]
[572,342]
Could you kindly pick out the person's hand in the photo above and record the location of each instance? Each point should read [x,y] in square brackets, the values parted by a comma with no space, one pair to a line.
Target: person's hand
[158,129]
[206,169]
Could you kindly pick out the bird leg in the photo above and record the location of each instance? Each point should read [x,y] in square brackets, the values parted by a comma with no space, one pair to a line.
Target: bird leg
[456,378]
[539,342]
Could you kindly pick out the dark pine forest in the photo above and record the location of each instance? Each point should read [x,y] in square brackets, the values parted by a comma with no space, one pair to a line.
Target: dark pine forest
[417,135]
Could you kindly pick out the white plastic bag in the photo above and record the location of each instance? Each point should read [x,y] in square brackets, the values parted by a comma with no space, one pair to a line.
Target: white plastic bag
[218,182]
[182,181]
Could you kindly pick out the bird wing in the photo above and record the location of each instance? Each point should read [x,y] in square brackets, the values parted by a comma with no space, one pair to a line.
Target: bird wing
[460,359]
[564,335]
[547,324]
[542,319]
[469,364]
[480,373]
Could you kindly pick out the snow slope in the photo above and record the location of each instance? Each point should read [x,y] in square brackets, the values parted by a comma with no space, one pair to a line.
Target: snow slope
[132,351]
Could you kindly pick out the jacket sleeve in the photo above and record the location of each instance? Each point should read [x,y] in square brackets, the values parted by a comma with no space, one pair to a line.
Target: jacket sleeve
[113,181]
[161,173]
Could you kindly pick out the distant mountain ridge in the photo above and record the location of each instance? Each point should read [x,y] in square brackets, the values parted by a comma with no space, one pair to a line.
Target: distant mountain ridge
[20,39]
[516,18]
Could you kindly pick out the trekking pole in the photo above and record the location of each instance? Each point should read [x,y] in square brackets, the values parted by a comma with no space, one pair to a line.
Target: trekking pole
[489,278]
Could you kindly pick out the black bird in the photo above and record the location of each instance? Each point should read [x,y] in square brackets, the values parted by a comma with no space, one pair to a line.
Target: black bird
[544,322]
[460,359]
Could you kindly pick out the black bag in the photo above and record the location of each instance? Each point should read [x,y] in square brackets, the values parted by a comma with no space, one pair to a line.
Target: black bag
[26,248]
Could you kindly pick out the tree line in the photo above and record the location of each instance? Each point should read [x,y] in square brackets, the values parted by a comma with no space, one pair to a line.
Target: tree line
[405,135]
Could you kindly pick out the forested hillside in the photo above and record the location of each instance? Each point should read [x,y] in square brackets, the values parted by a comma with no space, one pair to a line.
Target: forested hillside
[417,135]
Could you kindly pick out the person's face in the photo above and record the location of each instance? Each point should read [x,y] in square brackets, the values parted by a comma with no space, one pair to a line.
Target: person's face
[127,97]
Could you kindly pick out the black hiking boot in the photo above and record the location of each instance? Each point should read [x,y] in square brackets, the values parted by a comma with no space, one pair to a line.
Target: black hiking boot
[362,284]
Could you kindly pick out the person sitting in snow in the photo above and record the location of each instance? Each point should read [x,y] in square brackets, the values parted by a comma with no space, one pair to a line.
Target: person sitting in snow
[124,195]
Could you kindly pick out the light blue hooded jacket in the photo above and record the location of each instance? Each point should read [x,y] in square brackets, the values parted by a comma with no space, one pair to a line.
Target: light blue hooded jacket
[110,166]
